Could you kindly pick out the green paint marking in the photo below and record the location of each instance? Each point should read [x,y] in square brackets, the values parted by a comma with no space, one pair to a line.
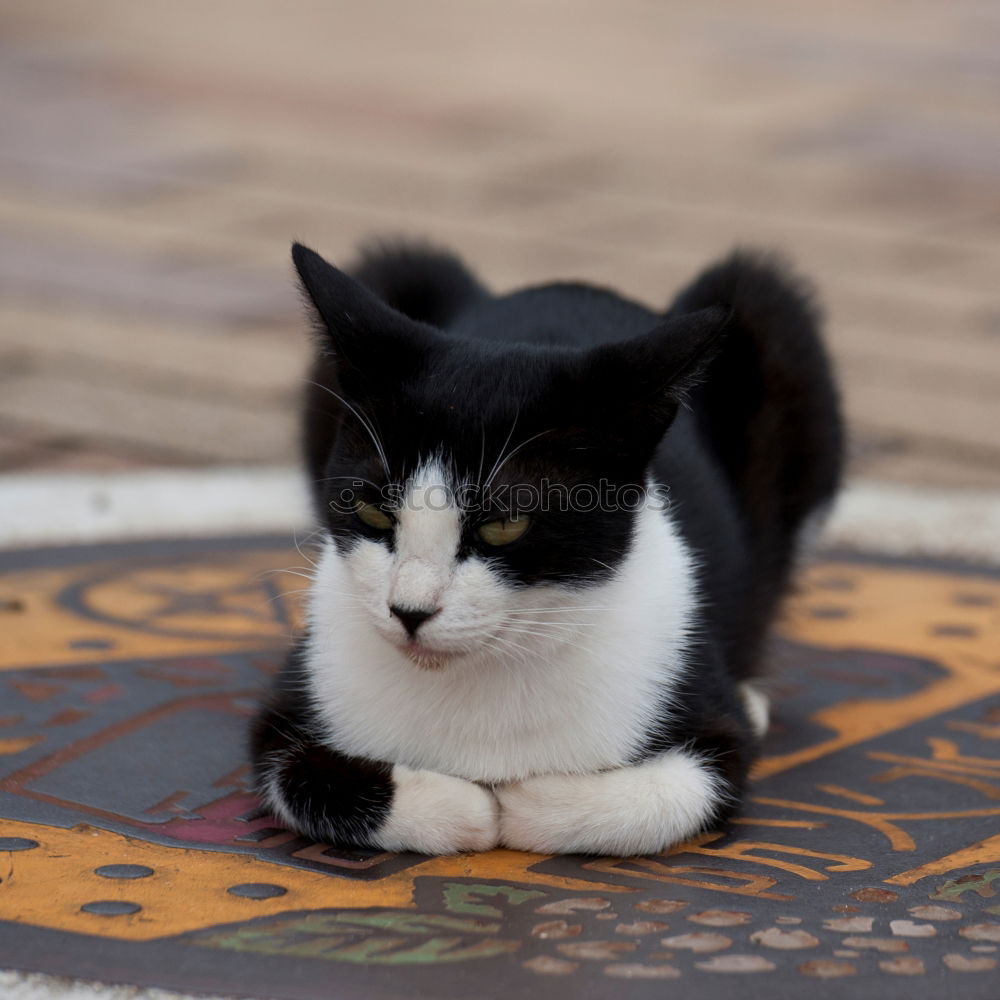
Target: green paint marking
[982,885]
[429,952]
[459,897]
[380,937]
[407,922]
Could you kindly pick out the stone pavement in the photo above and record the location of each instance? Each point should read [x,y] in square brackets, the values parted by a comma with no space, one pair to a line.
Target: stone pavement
[156,160]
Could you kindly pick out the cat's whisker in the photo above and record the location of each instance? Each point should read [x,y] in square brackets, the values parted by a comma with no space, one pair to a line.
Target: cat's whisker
[513,452]
[500,456]
[579,618]
[482,451]
[543,619]
[275,572]
[601,562]
[555,622]
[554,637]
[288,593]
[521,653]
[539,633]
[349,594]
[363,420]
[298,548]
[561,608]
[307,575]
[565,628]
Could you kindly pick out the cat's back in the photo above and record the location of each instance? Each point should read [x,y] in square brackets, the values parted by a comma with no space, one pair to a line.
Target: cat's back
[560,314]
[433,286]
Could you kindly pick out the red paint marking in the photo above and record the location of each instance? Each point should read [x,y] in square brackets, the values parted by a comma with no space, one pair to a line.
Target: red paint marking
[37,690]
[66,717]
[105,693]
[218,823]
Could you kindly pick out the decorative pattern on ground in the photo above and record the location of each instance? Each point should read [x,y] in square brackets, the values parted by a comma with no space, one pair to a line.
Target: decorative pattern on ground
[130,849]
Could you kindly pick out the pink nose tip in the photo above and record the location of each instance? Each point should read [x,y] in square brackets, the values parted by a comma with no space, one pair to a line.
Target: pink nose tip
[412,618]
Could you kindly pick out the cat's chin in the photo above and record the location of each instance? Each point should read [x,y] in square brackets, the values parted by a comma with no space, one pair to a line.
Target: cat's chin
[428,658]
[421,653]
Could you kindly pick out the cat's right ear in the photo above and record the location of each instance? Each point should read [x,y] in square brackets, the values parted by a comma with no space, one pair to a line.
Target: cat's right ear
[365,336]
[638,385]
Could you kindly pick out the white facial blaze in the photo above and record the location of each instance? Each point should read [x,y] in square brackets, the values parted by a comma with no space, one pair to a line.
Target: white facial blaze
[428,530]
[422,572]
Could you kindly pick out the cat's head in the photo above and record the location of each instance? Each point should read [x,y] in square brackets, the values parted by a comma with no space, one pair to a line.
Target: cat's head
[473,483]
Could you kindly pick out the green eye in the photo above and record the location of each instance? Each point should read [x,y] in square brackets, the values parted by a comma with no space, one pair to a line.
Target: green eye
[504,531]
[373,516]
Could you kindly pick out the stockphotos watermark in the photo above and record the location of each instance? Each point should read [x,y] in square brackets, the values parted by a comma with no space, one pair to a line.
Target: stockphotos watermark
[543,497]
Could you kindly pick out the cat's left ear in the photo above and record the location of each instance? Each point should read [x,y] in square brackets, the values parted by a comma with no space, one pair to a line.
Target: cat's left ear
[366,338]
[644,380]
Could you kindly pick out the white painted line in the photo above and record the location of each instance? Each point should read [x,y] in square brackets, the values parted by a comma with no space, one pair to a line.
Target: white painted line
[52,509]
[893,519]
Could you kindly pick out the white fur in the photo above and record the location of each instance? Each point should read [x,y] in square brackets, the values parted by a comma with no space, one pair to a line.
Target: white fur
[423,573]
[758,707]
[429,529]
[631,810]
[438,814]
[431,813]
[570,691]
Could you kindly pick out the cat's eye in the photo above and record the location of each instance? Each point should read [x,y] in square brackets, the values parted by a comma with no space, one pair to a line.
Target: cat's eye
[504,531]
[373,516]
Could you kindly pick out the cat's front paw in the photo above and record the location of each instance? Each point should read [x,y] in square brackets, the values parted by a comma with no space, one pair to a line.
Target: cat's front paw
[630,810]
[531,817]
[435,813]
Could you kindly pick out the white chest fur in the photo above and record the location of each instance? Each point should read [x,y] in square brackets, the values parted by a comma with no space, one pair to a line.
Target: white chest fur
[576,696]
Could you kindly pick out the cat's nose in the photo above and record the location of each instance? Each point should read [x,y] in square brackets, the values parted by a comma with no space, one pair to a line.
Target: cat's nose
[412,618]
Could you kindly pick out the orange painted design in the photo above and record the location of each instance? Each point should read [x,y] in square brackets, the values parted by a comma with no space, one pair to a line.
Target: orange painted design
[984,731]
[47,886]
[881,821]
[157,611]
[659,870]
[984,852]
[891,610]
[743,850]
[10,747]
[847,793]
[789,824]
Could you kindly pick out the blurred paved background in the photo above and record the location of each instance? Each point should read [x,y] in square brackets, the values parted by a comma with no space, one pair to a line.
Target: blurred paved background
[156,160]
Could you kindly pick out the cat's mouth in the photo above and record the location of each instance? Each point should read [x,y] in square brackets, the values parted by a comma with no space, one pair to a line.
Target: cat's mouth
[427,657]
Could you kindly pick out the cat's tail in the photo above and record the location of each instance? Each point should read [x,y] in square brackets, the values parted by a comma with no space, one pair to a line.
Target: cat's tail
[768,406]
[427,284]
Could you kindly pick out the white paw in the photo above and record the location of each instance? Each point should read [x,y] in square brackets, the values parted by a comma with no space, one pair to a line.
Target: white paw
[757,705]
[529,818]
[633,810]
[437,814]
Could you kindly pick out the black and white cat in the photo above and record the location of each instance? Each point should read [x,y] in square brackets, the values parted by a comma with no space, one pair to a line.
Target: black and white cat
[512,639]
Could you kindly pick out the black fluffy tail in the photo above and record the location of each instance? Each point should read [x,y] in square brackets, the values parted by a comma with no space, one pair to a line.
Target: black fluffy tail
[428,285]
[769,406]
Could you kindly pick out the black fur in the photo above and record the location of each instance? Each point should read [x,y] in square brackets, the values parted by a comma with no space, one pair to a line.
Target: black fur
[334,798]
[420,281]
[768,411]
[726,399]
